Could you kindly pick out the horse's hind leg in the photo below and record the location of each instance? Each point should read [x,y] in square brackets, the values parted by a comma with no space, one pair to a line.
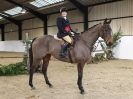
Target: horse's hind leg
[32,70]
[44,69]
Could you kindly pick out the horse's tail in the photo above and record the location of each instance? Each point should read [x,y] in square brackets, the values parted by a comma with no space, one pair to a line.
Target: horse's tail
[31,53]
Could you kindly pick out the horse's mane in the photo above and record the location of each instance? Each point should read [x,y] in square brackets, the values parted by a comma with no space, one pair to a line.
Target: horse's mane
[91,28]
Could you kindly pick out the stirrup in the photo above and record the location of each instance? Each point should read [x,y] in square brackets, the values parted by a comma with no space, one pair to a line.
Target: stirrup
[63,55]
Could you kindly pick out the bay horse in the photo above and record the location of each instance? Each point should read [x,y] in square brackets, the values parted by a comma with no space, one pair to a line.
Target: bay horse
[44,47]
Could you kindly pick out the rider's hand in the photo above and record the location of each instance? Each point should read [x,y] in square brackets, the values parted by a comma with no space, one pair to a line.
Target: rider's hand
[72,33]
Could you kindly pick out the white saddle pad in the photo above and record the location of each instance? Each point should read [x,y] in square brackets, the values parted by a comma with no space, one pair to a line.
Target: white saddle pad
[55,37]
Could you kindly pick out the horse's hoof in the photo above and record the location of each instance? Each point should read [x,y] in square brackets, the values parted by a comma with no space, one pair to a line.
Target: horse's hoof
[82,92]
[50,86]
[33,88]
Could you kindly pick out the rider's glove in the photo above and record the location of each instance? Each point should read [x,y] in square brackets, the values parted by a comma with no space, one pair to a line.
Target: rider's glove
[72,33]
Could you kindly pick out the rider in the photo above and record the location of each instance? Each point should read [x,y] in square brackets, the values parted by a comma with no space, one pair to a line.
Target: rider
[64,30]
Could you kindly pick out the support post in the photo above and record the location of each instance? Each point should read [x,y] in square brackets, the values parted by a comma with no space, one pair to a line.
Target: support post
[2,26]
[45,23]
[86,20]
[20,31]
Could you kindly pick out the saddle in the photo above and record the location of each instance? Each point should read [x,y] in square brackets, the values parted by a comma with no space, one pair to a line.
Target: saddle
[74,38]
[56,37]
[59,39]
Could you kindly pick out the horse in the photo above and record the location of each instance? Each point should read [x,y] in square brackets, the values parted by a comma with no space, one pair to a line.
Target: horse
[42,48]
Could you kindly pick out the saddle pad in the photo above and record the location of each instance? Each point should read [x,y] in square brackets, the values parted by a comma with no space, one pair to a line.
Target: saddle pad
[55,37]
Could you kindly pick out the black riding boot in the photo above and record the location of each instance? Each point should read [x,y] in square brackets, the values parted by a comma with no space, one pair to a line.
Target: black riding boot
[64,48]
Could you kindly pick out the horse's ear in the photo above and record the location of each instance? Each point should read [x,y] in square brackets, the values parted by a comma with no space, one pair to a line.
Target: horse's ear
[105,21]
[110,20]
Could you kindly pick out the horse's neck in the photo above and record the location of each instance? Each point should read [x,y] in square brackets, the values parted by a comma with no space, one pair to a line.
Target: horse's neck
[91,36]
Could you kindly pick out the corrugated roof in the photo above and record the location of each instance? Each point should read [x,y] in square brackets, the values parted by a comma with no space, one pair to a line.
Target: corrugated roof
[14,11]
[42,3]
[90,2]
[0,17]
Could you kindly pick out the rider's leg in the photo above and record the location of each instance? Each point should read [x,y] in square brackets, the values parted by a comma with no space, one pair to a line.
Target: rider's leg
[66,45]
[68,39]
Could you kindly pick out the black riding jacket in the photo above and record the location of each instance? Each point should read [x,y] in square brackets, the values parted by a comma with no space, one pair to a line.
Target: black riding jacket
[64,28]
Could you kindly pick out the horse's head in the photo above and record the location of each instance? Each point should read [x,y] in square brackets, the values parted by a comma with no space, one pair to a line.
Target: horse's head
[106,33]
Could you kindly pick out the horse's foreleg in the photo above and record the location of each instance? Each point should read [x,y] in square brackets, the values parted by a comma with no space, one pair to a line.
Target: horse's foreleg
[32,70]
[44,69]
[80,67]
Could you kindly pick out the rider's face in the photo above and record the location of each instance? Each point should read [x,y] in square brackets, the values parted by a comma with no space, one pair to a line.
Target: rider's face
[64,14]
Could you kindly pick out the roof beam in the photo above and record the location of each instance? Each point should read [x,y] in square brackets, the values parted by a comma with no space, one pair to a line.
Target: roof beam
[84,10]
[35,13]
[16,22]
[78,5]
[10,19]
[39,15]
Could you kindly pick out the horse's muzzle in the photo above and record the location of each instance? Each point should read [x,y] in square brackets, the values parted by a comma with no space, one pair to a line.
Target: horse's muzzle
[110,44]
